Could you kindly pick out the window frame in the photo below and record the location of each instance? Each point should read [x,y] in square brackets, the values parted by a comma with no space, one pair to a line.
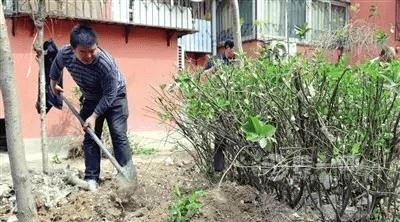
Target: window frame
[397,21]
[308,13]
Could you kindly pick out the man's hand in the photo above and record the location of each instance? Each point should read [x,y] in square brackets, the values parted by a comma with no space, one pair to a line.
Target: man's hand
[90,122]
[55,89]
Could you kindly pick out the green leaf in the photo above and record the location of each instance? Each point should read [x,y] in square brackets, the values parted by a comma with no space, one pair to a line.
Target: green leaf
[355,149]
[269,131]
[263,142]
[56,159]
[381,37]
[321,156]
[301,30]
[255,129]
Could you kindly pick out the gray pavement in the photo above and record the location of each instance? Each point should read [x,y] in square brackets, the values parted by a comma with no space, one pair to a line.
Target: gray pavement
[59,146]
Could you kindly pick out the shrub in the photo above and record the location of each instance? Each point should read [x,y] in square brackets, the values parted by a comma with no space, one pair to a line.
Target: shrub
[302,128]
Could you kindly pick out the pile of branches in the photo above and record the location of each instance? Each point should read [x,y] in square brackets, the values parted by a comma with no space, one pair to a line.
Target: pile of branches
[358,34]
[314,133]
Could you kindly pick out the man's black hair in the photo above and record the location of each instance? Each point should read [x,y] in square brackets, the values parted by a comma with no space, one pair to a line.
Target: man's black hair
[229,44]
[83,35]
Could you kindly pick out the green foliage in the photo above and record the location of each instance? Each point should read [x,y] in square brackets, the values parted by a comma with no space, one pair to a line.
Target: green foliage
[381,37]
[347,98]
[56,159]
[331,114]
[146,150]
[397,217]
[302,30]
[257,131]
[376,215]
[184,206]
[138,148]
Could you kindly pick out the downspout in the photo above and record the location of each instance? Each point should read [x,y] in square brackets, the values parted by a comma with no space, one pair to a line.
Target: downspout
[214,27]
[255,27]
[287,27]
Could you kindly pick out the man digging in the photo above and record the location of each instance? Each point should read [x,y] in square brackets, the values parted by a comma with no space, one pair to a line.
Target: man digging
[104,92]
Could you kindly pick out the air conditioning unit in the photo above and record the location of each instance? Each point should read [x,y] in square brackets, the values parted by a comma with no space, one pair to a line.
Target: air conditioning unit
[181,58]
[279,49]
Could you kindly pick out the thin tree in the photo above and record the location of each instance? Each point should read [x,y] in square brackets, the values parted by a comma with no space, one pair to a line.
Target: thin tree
[237,36]
[16,152]
[38,12]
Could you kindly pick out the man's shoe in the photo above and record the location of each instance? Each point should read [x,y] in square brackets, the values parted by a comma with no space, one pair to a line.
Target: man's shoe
[92,185]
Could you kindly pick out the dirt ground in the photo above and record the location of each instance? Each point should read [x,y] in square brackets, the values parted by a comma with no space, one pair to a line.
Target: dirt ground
[158,174]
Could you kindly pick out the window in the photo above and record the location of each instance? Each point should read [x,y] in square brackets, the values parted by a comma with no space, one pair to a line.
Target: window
[9,6]
[278,18]
[246,19]
[327,16]
[296,16]
[224,22]
[338,17]
[319,21]
[275,17]
[397,32]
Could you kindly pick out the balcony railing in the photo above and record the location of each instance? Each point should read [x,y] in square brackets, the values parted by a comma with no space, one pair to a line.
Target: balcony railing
[154,13]
[175,14]
[199,41]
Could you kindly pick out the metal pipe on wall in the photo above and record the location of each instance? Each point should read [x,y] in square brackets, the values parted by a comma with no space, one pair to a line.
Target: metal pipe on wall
[214,27]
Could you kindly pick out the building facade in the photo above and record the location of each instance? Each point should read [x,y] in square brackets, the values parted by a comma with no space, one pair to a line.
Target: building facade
[152,39]
[141,35]
[272,21]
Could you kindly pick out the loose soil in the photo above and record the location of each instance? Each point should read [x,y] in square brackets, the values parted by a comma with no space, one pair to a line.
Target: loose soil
[158,174]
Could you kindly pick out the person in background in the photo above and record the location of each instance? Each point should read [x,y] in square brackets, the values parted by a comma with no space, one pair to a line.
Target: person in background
[227,57]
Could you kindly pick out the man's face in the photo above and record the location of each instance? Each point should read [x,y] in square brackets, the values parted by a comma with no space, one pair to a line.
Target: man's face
[229,53]
[86,54]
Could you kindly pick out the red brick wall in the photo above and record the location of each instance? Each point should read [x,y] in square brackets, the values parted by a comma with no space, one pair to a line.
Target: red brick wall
[145,60]
[198,60]
[194,61]
[250,48]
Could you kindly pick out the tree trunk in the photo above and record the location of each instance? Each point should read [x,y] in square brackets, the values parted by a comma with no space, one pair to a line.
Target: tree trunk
[16,152]
[39,20]
[237,36]
[42,91]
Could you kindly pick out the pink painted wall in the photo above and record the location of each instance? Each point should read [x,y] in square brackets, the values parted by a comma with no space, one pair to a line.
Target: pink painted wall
[385,16]
[384,19]
[145,60]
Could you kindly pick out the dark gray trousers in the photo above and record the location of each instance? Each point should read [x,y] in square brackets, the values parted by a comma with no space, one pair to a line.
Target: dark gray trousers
[116,117]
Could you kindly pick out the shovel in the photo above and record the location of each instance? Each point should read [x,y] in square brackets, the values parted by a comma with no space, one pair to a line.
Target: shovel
[96,139]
